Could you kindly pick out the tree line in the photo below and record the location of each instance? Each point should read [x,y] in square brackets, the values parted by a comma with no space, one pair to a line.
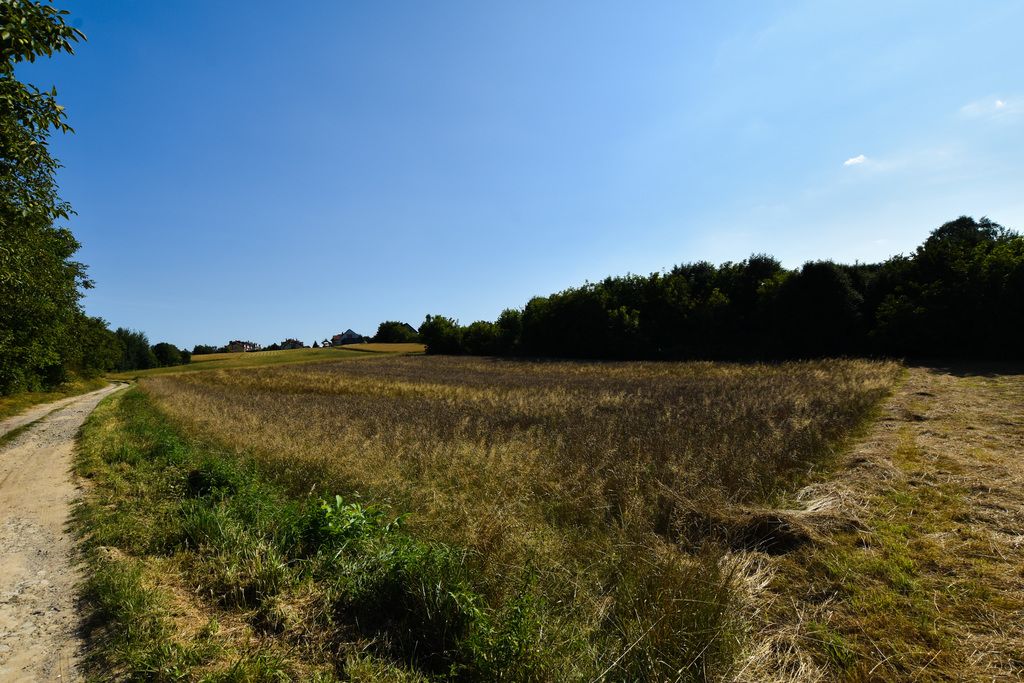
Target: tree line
[959,294]
[388,332]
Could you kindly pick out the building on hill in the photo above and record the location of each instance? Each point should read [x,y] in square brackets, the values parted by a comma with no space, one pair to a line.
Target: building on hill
[292,344]
[237,346]
[347,337]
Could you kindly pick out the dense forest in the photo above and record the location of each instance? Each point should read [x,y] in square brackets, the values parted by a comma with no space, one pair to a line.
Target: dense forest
[45,336]
[960,294]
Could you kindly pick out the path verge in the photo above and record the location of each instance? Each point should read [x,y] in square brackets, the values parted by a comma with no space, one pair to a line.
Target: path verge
[924,582]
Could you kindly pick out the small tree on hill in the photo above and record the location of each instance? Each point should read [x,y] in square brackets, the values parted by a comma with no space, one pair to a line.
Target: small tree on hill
[167,354]
[395,332]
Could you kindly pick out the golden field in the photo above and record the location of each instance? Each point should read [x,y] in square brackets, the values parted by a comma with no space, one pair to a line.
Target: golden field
[608,491]
[224,361]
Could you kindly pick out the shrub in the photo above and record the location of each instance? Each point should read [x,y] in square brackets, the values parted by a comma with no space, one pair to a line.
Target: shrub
[167,354]
[441,335]
[395,332]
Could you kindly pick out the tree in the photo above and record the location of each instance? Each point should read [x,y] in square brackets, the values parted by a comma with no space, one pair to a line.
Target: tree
[99,349]
[819,312]
[959,294]
[481,338]
[395,332]
[137,354]
[167,354]
[510,331]
[442,335]
[39,282]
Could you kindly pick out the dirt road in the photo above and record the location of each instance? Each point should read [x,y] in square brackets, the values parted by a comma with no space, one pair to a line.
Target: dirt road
[38,620]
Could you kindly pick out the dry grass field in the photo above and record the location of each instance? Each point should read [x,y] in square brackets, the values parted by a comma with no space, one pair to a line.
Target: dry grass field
[478,447]
[589,506]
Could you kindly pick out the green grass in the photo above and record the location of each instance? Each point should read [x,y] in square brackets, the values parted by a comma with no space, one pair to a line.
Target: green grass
[18,403]
[917,574]
[892,604]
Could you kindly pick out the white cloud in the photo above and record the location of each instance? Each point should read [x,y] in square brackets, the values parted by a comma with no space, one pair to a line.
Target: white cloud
[853,161]
[991,107]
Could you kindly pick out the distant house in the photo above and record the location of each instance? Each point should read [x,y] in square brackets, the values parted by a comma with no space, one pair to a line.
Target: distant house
[292,344]
[347,337]
[237,346]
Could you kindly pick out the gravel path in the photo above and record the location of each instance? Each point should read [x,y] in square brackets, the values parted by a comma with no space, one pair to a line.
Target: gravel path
[38,619]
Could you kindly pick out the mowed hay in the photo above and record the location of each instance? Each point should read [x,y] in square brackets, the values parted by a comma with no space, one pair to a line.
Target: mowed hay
[581,479]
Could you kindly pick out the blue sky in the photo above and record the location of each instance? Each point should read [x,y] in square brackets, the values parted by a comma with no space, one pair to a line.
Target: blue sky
[264,170]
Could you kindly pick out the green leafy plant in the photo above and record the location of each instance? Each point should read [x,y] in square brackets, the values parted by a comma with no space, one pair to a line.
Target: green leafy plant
[343,520]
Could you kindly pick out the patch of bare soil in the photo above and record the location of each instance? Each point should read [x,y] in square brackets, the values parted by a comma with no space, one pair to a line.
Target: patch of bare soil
[925,578]
[38,616]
